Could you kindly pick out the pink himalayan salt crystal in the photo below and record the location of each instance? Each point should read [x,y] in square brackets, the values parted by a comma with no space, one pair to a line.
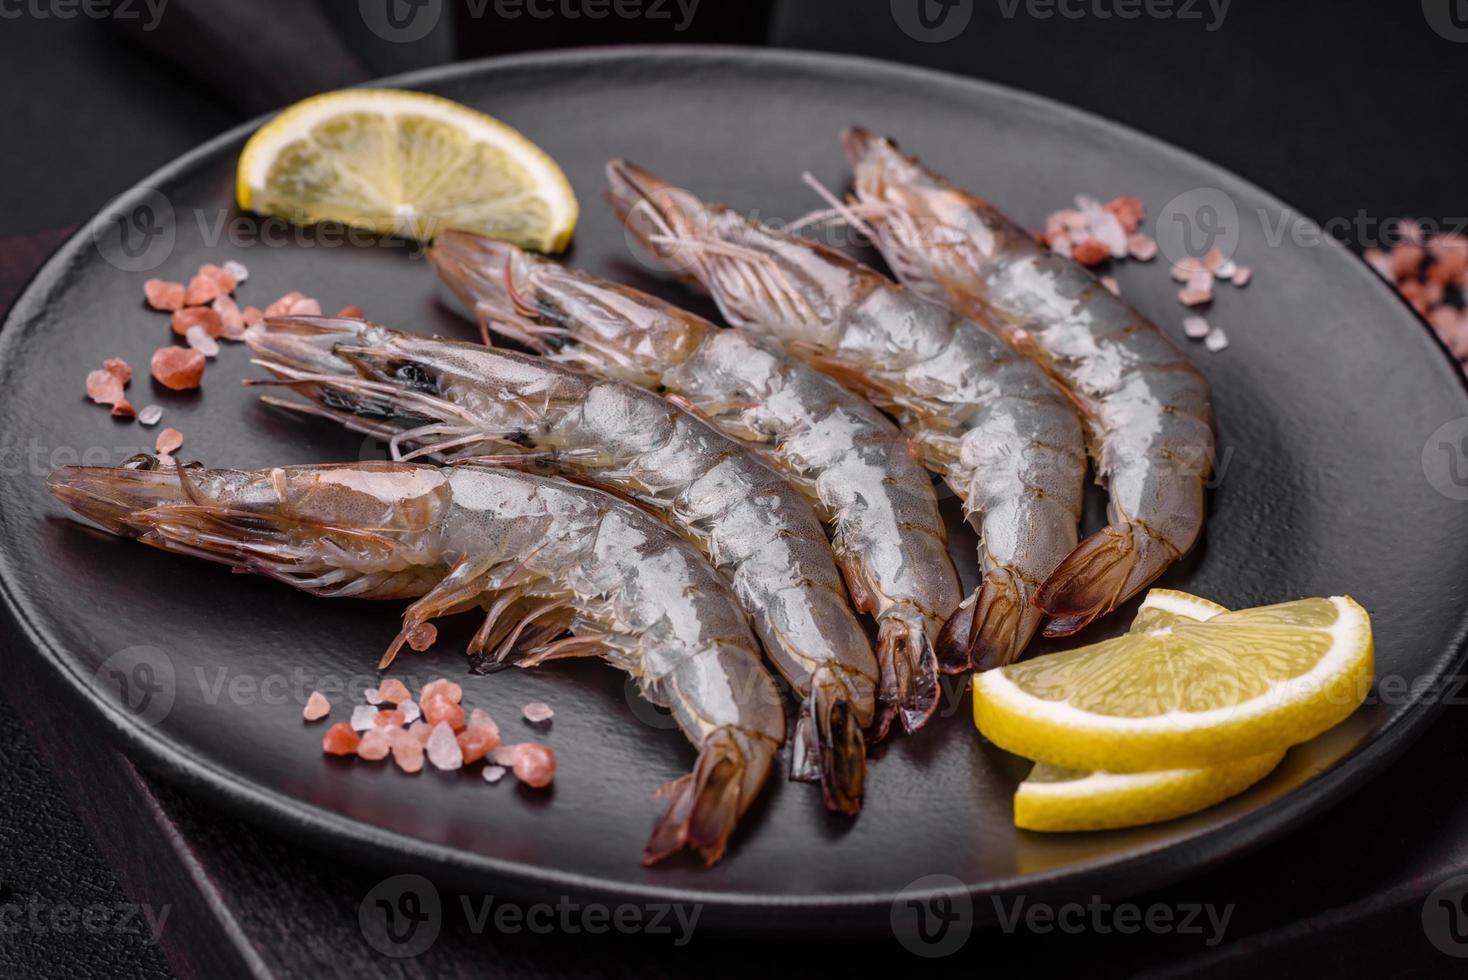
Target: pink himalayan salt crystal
[1195,327]
[393,691]
[420,730]
[421,637]
[1216,341]
[164,296]
[408,754]
[493,774]
[168,441]
[371,696]
[437,707]
[1214,259]
[221,275]
[505,755]
[1141,247]
[1112,286]
[119,367]
[151,415]
[231,320]
[1060,245]
[389,718]
[200,341]
[340,740]
[252,315]
[443,686]
[1129,211]
[237,270]
[305,306]
[123,408]
[104,387]
[178,368]
[1194,297]
[443,748]
[1183,271]
[536,712]
[283,305]
[317,707]
[1109,232]
[1090,252]
[411,711]
[475,741]
[535,764]
[1242,275]
[202,290]
[364,718]
[481,717]
[375,745]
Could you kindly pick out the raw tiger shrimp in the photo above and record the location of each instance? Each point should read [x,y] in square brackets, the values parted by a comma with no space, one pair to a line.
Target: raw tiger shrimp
[446,397]
[541,555]
[999,431]
[1147,410]
[877,501]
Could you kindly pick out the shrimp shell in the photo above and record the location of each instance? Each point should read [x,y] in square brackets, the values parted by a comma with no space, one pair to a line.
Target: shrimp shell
[451,398]
[876,499]
[1147,409]
[542,555]
[999,431]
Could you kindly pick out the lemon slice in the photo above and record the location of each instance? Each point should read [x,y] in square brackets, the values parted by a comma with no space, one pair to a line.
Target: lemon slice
[1185,694]
[1056,799]
[406,163]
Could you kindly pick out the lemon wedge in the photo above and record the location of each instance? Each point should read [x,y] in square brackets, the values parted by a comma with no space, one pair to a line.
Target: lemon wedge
[1056,799]
[399,162]
[1184,694]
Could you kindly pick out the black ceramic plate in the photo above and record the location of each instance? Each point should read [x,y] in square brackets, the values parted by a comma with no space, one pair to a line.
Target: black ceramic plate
[1327,399]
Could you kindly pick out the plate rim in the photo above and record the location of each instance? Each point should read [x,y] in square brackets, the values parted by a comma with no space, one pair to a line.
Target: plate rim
[1147,869]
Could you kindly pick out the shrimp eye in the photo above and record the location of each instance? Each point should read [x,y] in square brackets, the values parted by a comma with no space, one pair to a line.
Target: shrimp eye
[413,374]
[141,461]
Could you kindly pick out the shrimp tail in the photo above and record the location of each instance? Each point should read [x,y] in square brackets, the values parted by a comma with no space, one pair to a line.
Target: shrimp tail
[703,805]
[829,745]
[1102,572]
[908,668]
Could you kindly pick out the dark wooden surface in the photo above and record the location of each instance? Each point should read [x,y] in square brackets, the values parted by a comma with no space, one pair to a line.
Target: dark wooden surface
[1332,107]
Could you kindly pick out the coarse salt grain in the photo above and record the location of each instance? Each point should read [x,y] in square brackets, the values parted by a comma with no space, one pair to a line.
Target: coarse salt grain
[178,368]
[536,712]
[237,269]
[443,748]
[411,711]
[1241,276]
[1143,248]
[200,341]
[421,637]
[168,441]
[164,296]
[408,754]
[340,740]
[104,387]
[1216,340]
[151,415]
[1195,327]
[1112,286]
[375,745]
[535,765]
[119,367]
[447,688]
[317,707]
[364,717]
[493,774]
[371,696]
[393,690]
[1194,297]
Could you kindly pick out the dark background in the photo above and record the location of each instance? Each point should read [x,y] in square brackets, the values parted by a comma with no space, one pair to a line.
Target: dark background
[1349,112]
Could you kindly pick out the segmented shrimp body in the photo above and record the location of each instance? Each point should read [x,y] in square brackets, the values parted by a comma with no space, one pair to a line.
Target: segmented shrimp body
[1002,435]
[543,556]
[445,397]
[1149,413]
[877,501]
